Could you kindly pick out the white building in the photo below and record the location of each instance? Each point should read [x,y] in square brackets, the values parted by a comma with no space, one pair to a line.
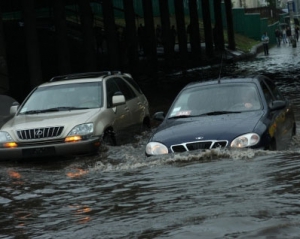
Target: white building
[249,3]
[263,3]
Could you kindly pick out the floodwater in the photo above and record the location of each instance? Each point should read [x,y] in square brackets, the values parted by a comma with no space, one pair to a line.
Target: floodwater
[122,194]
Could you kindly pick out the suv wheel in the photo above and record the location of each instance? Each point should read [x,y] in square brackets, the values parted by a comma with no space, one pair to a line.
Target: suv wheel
[109,138]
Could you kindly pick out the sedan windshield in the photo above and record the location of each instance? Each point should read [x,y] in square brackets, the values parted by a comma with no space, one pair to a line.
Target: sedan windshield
[64,98]
[215,100]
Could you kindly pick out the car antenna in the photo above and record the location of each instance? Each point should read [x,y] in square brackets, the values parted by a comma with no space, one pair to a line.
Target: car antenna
[219,80]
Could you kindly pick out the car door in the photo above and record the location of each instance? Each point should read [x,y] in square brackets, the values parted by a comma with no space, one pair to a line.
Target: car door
[120,114]
[139,103]
[282,119]
[132,102]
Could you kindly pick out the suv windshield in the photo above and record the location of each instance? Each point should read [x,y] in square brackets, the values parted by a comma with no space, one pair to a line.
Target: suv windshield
[216,99]
[64,97]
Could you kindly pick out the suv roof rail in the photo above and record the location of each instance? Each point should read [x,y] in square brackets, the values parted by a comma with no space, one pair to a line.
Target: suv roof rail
[84,75]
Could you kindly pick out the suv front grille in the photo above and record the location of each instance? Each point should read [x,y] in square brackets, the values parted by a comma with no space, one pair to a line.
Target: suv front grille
[179,148]
[40,133]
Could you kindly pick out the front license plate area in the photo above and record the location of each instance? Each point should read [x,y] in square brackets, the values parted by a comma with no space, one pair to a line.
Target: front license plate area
[43,151]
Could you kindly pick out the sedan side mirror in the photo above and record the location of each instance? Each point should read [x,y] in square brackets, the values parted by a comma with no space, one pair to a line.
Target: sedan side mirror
[278,104]
[159,116]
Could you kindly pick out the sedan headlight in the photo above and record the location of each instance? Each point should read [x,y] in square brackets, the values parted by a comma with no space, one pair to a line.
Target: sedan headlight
[79,132]
[155,148]
[245,140]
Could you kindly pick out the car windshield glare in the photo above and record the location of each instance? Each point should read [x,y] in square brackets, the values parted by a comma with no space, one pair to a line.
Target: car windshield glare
[64,97]
[220,98]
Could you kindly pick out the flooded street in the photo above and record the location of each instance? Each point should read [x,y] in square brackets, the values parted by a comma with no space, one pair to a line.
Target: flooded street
[122,194]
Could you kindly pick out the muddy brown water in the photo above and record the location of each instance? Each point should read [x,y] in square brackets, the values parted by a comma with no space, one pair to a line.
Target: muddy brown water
[122,194]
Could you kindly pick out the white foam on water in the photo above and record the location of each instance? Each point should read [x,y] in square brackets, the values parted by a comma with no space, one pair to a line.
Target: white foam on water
[126,158]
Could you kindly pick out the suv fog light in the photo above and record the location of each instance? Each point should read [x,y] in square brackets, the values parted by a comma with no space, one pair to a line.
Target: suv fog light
[10,145]
[74,138]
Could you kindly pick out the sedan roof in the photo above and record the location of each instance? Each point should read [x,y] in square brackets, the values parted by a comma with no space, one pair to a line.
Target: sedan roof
[225,80]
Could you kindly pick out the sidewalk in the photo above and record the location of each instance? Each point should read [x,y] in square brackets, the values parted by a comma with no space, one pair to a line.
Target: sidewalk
[277,52]
[230,55]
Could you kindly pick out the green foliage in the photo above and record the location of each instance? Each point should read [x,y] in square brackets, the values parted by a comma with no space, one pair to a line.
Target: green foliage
[244,43]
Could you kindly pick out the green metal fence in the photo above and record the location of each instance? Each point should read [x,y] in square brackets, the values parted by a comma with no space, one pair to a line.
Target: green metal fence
[250,25]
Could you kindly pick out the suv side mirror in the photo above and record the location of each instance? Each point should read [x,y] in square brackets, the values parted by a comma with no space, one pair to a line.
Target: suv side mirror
[118,99]
[14,108]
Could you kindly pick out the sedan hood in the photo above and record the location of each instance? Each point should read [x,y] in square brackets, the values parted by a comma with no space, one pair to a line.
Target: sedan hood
[61,118]
[221,127]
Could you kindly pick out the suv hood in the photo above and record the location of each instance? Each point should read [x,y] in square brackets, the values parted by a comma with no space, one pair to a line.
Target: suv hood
[221,127]
[61,118]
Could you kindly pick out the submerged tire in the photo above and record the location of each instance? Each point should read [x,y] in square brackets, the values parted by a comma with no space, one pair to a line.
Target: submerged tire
[109,138]
[273,145]
[294,130]
[146,126]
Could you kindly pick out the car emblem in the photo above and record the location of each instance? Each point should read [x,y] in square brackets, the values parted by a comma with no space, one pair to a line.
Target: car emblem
[38,132]
[199,137]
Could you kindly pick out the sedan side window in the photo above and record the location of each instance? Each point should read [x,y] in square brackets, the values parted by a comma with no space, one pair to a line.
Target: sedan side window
[275,91]
[267,93]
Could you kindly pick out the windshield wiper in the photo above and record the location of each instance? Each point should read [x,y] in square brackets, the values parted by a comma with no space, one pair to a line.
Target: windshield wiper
[221,112]
[56,109]
[65,108]
[205,114]
[29,112]
[182,116]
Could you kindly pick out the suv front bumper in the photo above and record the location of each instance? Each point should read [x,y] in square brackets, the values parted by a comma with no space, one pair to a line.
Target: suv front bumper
[89,146]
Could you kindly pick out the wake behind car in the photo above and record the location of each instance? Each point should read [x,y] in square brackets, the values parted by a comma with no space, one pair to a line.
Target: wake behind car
[245,112]
[73,115]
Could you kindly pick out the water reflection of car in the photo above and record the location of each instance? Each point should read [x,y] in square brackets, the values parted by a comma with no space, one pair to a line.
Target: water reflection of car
[216,114]
[74,114]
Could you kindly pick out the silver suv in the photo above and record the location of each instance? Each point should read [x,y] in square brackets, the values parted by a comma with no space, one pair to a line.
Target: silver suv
[75,114]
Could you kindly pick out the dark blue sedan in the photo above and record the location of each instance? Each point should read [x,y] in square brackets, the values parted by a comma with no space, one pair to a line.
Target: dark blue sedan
[226,113]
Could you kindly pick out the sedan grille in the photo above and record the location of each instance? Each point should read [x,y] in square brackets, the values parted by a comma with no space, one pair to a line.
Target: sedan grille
[198,145]
[40,133]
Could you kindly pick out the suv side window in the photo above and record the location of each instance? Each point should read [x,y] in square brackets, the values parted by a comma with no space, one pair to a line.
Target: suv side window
[111,88]
[133,83]
[125,89]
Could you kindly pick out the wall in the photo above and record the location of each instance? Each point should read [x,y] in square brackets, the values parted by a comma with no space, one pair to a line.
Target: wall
[252,25]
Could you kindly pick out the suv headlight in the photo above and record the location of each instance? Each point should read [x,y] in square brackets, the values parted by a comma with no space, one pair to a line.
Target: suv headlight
[5,137]
[155,148]
[6,140]
[245,140]
[80,132]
